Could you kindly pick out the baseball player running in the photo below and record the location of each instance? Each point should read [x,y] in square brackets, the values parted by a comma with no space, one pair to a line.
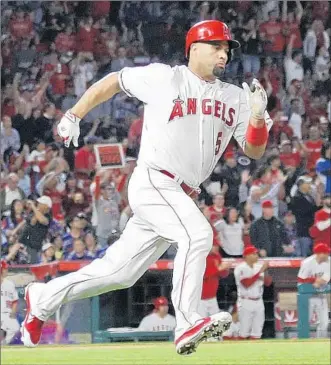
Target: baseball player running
[190,117]
[249,277]
[316,270]
[9,300]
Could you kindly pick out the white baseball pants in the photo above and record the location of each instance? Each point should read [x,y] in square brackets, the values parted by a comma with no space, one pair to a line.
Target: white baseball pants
[208,307]
[163,214]
[320,306]
[10,325]
[251,318]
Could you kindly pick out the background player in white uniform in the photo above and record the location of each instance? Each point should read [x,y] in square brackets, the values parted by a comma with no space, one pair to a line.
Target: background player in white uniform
[315,270]
[189,118]
[160,319]
[249,277]
[9,298]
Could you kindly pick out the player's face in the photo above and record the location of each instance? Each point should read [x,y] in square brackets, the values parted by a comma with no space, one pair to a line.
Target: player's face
[322,257]
[163,310]
[212,57]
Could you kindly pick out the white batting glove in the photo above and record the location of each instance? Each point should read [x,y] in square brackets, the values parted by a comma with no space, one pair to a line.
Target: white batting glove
[257,98]
[68,129]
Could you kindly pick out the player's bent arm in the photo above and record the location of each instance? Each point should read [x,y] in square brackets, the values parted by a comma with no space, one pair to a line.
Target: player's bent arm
[98,93]
[256,138]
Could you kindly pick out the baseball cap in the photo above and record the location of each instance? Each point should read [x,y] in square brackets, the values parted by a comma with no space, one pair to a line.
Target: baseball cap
[323,120]
[46,200]
[304,179]
[321,248]
[160,301]
[284,118]
[229,154]
[81,215]
[46,246]
[92,140]
[267,204]
[249,250]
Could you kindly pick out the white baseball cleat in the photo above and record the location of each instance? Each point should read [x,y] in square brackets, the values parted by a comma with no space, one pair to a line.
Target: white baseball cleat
[32,326]
[213,326]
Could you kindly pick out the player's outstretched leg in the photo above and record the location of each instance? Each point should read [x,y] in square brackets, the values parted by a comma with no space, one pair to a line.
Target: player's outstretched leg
[183,222]
[124,263]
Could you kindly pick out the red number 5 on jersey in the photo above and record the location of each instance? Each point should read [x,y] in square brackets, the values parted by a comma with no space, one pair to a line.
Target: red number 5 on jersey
[218,142]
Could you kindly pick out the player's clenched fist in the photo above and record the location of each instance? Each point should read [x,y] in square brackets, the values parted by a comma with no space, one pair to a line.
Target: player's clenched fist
[68,129]
[257,98]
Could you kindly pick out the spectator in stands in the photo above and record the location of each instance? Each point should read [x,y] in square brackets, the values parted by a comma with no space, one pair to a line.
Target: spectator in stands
[231,233]
[264,189]
[121,61]
[295,120]
[92,247]
[291,23]
[87,35]
[303,206]
[291,232]
[320,231]
[229,178]
[268,233]
[76,204]
[47,253]
[251,48]
[323,167]
[36,226]
[13,223]
[11,192]
[85,159]
[10,138]
[216,211]
[293,63]
[271,35]
[108,213]
[44,124]
[79,251]
[325,129]
[66,41]
[313,147]
[160,319]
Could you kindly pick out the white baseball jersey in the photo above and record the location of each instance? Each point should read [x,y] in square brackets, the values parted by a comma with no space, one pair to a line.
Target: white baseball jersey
[153,322]
[188,122]
[310,268]
[8,296]
[243,271]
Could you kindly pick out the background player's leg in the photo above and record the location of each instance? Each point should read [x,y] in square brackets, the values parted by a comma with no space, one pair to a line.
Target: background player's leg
[245,319]
[258,320]
[323,318]
[124,263]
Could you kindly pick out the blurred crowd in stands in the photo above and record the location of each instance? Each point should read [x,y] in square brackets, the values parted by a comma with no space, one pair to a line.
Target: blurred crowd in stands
[55,203]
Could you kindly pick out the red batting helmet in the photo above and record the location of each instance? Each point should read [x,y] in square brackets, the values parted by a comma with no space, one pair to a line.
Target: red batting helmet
[207,31]
[4,265]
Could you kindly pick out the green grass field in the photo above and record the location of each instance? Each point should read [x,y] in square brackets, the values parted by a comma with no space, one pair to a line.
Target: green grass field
[286,352]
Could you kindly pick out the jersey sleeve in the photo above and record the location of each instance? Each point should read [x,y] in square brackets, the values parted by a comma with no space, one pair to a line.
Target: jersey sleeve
[14,293]
[243,120]
[305,275]
[145,324]
[147,83]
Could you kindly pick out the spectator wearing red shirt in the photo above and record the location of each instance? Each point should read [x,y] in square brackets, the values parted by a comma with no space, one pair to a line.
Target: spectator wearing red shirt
[320,231]
[135,130]
[271,35]
[87,36]
[215,269]
[20,25]
[290,158]
[313,147]
[50,188]
[85,159]
[100,9]
[315,108]
[280,129]
[66,41]
[275,76]
[216,211]
[59,80]
[291,23]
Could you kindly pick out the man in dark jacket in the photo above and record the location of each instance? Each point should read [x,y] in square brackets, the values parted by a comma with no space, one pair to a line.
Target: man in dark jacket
[231,176]
[36,227]
[268,233]
[303,207]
